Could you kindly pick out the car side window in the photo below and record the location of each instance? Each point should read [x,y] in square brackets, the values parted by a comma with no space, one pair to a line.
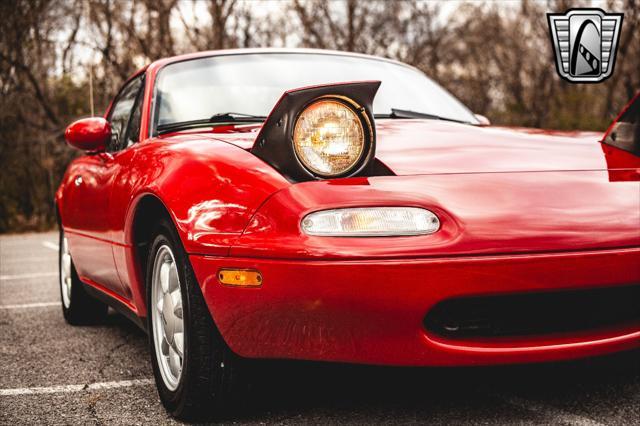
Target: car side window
[121,113]
[132,134]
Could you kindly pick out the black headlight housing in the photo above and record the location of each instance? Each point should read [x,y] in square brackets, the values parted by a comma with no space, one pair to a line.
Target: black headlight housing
[275,144]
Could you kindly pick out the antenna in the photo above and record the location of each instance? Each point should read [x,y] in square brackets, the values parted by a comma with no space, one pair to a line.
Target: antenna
[91,88]
[88,11]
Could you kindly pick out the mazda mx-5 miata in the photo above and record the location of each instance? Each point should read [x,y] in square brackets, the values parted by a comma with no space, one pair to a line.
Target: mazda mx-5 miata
[316,205]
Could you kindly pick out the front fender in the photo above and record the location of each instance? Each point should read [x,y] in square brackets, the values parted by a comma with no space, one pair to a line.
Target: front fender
[210,188]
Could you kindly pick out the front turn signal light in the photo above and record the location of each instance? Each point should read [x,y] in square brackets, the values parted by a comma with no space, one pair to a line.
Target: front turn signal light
[240,277]
[371,222]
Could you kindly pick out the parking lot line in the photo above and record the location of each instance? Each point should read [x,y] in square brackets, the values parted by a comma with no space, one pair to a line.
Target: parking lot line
[75,388]
[29,260]
[50,245]
[27,276]
[30,305]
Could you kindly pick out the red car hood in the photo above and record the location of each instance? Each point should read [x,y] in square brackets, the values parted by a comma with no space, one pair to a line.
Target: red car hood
[415,147]
[427,147]
[515,190]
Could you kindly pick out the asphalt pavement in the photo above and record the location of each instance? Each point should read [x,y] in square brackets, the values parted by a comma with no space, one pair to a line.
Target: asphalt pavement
[54,373]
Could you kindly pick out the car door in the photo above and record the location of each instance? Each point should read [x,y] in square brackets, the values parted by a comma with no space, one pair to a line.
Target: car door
[91,239]
[121,189]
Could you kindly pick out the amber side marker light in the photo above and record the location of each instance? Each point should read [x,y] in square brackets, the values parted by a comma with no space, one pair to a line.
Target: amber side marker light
[240,277]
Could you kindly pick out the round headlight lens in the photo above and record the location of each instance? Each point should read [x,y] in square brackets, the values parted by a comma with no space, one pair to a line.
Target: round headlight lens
[329,138]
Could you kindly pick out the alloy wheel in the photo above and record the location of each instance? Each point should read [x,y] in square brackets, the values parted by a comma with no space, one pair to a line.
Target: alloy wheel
[167,317]
[65,272]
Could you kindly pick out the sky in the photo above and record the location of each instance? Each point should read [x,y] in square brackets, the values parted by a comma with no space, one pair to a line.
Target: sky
[195,11]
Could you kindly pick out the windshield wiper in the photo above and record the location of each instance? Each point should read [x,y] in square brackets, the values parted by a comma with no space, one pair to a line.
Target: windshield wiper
[221,118]
[405,113]
[225,117]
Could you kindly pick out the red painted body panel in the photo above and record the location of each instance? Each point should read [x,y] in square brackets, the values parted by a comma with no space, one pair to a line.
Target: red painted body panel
[521,210]
[85,216]
[480,213]
[410,147]
[190,176]
[372,311]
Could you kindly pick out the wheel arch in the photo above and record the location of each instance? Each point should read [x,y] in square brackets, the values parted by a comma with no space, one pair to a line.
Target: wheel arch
[144,214]
[147,212]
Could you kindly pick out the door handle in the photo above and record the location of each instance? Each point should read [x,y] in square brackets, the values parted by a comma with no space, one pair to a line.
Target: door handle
[78,180]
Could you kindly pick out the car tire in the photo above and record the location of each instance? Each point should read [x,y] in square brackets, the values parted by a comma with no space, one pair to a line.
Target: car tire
[78,307]
[208,383]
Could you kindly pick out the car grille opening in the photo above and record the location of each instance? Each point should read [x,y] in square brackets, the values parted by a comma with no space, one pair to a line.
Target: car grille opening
[535,313]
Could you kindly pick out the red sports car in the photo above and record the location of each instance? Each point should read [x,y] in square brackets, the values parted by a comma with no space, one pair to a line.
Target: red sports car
[317,205]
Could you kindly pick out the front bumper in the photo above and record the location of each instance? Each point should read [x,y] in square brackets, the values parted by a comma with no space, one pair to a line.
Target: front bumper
[372,311]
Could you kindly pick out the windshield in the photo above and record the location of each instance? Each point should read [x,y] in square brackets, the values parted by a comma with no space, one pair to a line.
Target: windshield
[252,84]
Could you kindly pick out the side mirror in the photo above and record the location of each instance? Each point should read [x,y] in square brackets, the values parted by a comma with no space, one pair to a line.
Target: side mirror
[482,120]
[89,134]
